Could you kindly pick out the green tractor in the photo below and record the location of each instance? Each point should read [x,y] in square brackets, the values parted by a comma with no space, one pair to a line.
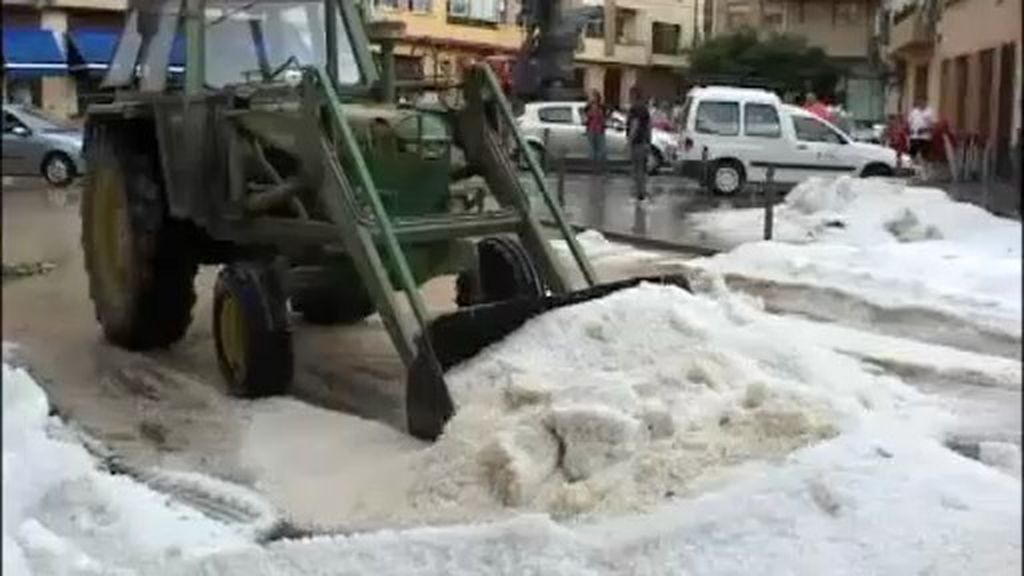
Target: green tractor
[282,154]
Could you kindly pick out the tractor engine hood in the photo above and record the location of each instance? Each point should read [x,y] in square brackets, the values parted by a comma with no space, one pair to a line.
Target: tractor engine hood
[409,130]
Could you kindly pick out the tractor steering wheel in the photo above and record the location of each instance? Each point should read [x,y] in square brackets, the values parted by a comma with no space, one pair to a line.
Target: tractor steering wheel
[290,63]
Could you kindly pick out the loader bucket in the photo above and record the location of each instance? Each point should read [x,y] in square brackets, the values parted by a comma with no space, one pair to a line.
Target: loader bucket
[456,337]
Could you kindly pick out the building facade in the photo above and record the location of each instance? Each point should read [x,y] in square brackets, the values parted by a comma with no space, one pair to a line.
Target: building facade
[645,45]
[443,37]
[845,29]
[962,57]
[43,65]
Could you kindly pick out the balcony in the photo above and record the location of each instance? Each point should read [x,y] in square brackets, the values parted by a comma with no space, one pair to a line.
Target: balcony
[678,60]
[911,32]
[632,54]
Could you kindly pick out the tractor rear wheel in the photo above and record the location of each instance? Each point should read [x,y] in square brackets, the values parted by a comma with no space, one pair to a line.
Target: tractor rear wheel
[250,330]
[141,271]
[503,271]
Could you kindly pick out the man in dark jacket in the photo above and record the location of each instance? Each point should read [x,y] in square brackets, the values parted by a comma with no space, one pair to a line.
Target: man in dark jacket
[638,130]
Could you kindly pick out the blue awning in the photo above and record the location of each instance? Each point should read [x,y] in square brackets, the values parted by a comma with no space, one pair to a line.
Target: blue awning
[91,49]
[32,52]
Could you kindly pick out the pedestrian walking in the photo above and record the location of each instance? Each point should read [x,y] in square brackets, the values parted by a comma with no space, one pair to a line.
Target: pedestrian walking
[596,116]
[921,120]
[638,131]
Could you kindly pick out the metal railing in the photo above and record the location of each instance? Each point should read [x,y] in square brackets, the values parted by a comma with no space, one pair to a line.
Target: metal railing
[538,175]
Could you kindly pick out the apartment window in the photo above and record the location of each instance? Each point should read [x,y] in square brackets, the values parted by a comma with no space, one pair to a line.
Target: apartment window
[484,11]
[625,26]
[737,15]
[846,12]
[773,14]
[718,118]
[594,28]
[665,38]
[761,120]
[411,5]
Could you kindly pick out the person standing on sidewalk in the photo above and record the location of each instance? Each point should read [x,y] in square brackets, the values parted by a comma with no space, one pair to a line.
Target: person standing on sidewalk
[921,121]
[595,117]
[638,130]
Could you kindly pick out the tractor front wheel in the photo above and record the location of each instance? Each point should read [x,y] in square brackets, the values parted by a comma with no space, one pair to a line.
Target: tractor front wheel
[503,271]
[250,330]
[140,268]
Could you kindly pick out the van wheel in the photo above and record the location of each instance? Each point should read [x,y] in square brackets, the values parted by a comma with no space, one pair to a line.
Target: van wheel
[872,170]
[727,177]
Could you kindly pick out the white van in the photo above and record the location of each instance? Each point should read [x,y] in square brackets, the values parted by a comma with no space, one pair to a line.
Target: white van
[741,127]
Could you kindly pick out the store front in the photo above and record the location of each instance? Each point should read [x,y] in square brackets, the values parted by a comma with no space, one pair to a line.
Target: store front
[31,56]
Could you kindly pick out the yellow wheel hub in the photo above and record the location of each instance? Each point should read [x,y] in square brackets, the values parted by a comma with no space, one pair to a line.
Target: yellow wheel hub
[110,232]
[232,336]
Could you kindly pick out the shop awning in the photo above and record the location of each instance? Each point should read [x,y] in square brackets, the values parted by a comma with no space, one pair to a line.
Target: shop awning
[32,52]
[91,49]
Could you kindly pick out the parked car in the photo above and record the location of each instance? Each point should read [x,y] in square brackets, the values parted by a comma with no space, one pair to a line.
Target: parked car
[862,130]
[566,134]
[740,127]
[35,144]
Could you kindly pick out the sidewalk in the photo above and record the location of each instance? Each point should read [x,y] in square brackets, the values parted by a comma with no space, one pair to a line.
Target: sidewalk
[1000,198]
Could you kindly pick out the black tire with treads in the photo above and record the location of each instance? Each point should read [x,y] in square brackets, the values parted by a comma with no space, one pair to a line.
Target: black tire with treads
[343,300]
[149,303]
[267,351]
[504,270]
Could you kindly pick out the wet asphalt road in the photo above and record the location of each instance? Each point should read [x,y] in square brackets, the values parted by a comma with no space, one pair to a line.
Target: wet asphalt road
[606,203]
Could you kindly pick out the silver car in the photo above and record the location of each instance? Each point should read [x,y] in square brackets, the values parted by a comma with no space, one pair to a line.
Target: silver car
[557,128]
[36,144]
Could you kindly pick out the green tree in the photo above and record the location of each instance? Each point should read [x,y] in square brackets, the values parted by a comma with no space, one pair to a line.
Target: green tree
[782,62]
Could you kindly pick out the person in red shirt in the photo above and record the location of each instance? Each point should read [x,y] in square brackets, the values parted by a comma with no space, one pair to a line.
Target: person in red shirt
[595,116]
[819,109]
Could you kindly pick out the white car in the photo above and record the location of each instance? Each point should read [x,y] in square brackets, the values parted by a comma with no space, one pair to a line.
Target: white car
[742,129]
[565,128]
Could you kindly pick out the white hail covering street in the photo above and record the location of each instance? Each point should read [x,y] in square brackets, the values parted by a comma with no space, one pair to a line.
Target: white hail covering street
[654,431]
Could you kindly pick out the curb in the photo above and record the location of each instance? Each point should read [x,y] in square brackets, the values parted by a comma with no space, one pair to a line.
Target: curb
[639,240]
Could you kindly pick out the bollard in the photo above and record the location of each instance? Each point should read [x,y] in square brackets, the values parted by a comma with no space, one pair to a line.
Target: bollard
[561,180]
[705,185]
[769,203]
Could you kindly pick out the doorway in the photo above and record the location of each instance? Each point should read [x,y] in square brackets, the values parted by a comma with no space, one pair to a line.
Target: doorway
[1004,120]
[984,94]
[613,86]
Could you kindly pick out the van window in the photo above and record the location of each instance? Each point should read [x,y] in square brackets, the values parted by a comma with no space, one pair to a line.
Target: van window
[684,115]
[812,130]
[720,118]
[761,120]
[555,114]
